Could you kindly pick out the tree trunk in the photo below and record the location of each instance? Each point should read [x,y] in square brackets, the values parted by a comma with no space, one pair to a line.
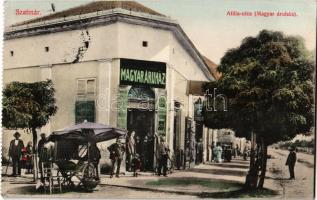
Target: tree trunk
[263,164]
[35,166]
[252,153]
[252,176]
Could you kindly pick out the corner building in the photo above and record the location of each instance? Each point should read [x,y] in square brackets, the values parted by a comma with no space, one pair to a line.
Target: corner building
[116,63]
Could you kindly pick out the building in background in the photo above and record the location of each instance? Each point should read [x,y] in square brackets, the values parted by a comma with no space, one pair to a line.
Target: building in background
[116,63]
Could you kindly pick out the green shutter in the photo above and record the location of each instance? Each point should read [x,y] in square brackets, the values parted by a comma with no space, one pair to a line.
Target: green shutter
[85,110]
[122,107]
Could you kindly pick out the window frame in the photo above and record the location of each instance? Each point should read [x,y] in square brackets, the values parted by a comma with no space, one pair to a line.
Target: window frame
[86,86]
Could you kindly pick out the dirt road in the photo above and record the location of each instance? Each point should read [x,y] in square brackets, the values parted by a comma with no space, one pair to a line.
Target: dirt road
[277,175]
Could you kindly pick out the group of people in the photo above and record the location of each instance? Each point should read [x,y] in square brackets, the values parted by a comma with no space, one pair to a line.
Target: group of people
[135,162]
[139,152]
[222,153]
[20,155]
[23,156]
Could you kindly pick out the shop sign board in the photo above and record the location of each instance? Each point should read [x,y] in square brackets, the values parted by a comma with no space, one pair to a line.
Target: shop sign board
[142,73]
[198,114]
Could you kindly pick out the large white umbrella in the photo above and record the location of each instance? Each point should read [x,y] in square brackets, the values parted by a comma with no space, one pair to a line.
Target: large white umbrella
[86,131]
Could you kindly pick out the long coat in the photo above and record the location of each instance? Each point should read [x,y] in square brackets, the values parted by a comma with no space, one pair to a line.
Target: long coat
[131,145]
[291,159]
[15,151]
[116,151]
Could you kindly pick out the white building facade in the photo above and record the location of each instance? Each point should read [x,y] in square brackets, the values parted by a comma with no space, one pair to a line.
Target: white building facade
[119,67]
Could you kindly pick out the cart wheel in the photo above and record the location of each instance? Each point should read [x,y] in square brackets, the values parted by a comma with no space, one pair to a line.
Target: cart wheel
[89,171]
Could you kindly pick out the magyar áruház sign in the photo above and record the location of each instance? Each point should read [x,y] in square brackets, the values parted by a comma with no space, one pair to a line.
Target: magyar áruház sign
[142,73]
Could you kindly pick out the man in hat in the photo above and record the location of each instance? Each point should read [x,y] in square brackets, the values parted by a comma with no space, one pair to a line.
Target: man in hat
[291,160]
[116,154]
[15,152]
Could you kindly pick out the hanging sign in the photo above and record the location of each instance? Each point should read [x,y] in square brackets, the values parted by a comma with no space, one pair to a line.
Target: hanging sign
[198,110]
[162,110]
[142,73]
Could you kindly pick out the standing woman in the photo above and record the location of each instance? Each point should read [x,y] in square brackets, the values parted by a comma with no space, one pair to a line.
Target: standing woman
[29,158]
[130,149]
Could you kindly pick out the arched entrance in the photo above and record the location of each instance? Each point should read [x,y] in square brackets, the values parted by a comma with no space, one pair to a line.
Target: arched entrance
[141,119]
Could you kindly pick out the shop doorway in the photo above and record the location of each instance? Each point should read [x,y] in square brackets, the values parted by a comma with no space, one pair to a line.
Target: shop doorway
[141,119]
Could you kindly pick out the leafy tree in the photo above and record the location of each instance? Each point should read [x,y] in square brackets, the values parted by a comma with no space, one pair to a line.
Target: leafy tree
[268,82]
[28,106]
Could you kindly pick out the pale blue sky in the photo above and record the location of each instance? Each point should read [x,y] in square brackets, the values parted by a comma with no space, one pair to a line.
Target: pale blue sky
[206,22]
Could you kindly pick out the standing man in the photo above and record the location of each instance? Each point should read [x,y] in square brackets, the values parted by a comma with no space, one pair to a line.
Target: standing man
[15,152]
[116,154]
[145,150]
[163,157]
[291,160]
[40,148]
[212,151]
[199,151]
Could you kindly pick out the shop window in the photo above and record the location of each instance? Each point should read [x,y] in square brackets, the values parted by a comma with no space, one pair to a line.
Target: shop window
[144,43]
[85,111]
[86,86]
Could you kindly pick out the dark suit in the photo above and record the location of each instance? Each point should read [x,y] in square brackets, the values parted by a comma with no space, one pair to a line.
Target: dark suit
[116,154]
[15,152]
[291,160]
[163,158]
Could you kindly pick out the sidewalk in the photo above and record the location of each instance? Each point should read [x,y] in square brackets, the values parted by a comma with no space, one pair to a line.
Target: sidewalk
[205,178]
[209,180]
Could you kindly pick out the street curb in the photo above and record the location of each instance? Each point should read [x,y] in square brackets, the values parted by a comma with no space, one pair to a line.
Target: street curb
[165,191]
[149,189]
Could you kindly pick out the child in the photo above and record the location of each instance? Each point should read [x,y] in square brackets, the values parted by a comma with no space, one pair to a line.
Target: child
[136,165]
[29,156]
[23,158]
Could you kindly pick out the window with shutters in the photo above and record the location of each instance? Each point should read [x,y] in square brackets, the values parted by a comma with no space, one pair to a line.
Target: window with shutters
[90,86]
[86,86]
